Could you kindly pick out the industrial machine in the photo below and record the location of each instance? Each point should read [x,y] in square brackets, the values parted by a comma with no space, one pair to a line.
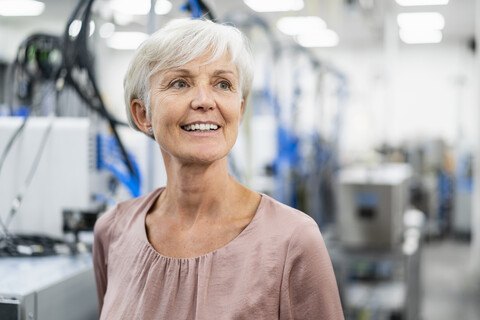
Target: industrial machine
[371,203]
[376,252]
[62,179]
[48,288]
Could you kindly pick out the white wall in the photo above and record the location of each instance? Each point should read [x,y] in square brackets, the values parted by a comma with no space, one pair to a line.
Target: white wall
[426,92]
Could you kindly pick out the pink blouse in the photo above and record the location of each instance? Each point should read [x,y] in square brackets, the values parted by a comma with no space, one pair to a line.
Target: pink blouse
[277,268]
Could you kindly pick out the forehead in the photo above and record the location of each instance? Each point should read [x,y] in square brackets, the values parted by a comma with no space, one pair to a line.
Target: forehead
[205,64]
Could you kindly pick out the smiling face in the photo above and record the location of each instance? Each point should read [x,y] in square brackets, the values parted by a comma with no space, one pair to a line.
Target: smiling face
[195,110]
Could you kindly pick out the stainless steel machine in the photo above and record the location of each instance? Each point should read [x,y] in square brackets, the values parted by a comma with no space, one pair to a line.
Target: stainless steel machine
[48,288]
[371,202]
[376,251]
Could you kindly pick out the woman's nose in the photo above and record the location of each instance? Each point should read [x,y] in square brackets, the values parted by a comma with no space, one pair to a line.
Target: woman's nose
[203,98]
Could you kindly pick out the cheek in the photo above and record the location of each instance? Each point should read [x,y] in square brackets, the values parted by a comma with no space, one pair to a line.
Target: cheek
[235,111]
[160,113]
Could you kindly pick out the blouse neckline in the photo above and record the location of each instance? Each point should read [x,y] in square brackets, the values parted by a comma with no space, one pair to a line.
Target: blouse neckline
[156,193]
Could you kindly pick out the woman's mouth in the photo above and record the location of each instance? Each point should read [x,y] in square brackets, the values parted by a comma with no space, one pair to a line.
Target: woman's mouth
[202,127]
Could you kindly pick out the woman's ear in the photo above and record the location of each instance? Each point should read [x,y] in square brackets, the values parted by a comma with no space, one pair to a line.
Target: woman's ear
[242,109]
[139,113]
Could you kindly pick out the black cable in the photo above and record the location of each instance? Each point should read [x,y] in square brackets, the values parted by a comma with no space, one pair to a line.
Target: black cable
[111,121]
[45,71]
[69,80]
[206,10]
[31,245]
[10,142]
[5,152]
[193,5]
[17,202]
[20,65]
[19,197]
[76,55]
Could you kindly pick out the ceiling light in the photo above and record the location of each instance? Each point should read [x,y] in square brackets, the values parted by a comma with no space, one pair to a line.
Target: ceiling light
[126,40]
[274,5]
[122,19]
[318,38]
[139,7]
[418,37]
[163,7]
[421,21]
[410,3]
[106,30]
[21,8]
[297,25]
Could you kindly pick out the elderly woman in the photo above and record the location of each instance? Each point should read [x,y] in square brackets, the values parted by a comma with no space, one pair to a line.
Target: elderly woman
[204,246]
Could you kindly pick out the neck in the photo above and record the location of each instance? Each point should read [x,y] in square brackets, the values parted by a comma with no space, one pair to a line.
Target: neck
[197,191]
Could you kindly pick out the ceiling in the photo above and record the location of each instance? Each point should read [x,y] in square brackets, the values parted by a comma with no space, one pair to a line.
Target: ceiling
[358,22]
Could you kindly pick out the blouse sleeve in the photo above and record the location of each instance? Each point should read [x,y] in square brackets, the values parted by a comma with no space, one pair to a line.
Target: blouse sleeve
[101,243]
[309,289]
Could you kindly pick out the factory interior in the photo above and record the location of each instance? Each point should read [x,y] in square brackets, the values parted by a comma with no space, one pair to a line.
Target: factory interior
[364,114]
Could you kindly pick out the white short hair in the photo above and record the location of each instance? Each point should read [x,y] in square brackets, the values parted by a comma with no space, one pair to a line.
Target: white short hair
[179,42]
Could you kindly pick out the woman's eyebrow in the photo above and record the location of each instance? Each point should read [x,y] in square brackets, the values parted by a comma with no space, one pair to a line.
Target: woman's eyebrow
[222,72]
[178,71]
[186,72]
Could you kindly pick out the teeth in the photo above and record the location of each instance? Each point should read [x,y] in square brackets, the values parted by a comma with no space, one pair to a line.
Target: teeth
[201,127]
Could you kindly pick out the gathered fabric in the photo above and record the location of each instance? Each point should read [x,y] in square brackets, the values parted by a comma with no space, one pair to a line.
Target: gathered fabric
[277,268]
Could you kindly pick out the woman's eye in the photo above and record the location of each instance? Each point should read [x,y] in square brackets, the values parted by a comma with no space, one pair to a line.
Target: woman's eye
[179,84]
[224,85]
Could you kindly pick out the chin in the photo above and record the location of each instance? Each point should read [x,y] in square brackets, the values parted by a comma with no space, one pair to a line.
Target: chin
[207,159]
[209,153]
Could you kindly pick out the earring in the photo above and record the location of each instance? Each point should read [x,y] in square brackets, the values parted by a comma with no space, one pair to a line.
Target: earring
[150,131]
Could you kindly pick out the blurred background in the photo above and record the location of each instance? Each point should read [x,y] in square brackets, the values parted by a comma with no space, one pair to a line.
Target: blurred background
[364,114]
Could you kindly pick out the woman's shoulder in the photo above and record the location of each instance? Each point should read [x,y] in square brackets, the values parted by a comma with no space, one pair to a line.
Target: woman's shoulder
[282,231]
[282,221]
[282,214]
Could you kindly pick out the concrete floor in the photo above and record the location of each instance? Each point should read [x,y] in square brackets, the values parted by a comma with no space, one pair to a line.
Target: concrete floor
[449,292]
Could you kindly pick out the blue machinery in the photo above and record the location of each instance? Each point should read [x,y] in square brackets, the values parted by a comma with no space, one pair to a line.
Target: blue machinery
[305,163]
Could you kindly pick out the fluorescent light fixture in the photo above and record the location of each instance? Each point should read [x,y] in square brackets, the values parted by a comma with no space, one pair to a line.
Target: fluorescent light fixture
[418,37]
[411,3]
[20,8]
[163,7]
[106,30]
[293,26]
[274,5]
[122,19]
[76,26]
[126,40]
[139,7]
[318,38]
[421,21]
